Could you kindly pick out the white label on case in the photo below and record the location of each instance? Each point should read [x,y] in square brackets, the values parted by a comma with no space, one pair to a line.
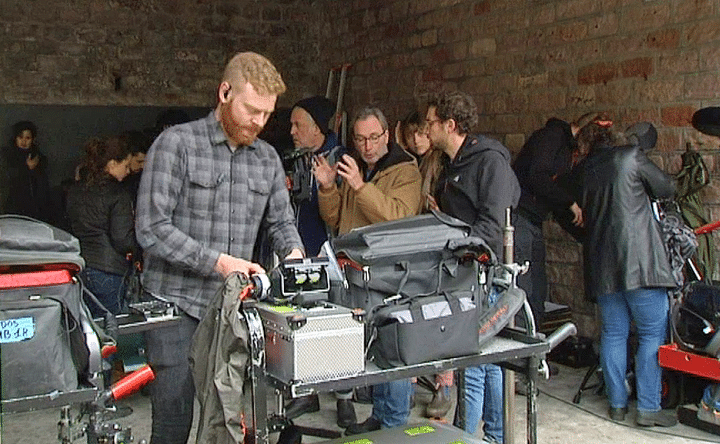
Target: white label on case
[17,330]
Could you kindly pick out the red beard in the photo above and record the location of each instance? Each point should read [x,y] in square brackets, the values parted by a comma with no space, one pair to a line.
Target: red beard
[238,133]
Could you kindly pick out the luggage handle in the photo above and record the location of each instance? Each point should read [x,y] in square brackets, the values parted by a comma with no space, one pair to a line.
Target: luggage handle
[403,280]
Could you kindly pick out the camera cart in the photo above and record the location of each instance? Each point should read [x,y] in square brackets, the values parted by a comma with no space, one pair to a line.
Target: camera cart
[511,348]
[51,348]
[698,357]
[296,349]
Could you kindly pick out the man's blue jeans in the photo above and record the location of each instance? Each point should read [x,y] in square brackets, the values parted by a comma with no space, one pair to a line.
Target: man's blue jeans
[484,394]
[391,402]
[172,393]
[484,400]
[648,307]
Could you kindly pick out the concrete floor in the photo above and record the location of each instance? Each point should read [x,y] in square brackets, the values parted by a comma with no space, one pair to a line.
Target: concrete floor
[559,420]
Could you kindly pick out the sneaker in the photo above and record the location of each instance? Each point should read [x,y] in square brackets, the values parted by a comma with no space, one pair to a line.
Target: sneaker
[661,419]
[708,414]
[370,425]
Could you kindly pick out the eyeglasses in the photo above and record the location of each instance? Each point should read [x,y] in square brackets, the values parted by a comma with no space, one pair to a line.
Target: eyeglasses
[373,138]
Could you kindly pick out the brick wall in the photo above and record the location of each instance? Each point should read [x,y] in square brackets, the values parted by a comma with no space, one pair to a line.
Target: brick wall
[147,52]
[522,60]
[526,60]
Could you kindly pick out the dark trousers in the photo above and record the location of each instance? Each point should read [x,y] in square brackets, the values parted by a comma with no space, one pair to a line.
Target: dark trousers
[172,393]
[530,246]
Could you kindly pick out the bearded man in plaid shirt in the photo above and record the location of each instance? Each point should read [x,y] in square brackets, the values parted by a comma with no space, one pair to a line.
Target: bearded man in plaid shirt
[209,186]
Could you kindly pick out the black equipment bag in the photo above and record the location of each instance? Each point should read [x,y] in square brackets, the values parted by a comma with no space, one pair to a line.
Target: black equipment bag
[26,241]
[695,319]
[417,279]
[35,349]
[42,344]
[423,329]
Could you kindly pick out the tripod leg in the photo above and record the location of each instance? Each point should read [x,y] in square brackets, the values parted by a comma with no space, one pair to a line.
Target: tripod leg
[583,385]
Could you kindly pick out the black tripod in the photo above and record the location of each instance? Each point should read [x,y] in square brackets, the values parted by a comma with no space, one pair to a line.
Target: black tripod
[585,384]
[596,370]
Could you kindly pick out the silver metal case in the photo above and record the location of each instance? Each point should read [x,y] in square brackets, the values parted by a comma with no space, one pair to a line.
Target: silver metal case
[312,344]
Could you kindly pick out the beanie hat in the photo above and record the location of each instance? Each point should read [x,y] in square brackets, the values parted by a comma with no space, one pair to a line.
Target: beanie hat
[643,134]
[320,109]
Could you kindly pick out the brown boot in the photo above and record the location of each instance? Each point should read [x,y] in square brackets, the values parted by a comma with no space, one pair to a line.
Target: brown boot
[440,404]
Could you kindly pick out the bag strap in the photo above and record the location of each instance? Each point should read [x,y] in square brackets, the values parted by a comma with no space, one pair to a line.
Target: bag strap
[397,292]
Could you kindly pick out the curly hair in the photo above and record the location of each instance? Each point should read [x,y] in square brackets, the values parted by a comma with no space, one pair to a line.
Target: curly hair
[592,136]
[100,151]
[255,69]
[458,106]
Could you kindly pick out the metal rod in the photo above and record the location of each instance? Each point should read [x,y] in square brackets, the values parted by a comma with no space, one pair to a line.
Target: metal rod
[461,409]
[331,80]
[533,363]
[509,375]
[341,95]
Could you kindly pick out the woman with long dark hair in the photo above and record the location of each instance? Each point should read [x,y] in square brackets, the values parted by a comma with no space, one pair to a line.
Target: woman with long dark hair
[100,211]
[26,188]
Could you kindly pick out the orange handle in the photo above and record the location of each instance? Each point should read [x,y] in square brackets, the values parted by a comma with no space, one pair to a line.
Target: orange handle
[707,228]
[132,382]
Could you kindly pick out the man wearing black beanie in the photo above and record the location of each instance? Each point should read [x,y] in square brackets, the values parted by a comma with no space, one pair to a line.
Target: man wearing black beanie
[312,136]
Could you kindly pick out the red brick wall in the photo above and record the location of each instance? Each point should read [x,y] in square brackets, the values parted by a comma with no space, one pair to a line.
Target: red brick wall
[522,60]
[149,52]
[526,60]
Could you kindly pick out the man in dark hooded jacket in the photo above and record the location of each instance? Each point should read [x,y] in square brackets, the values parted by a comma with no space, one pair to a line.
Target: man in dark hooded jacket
[548,154]
[477,185]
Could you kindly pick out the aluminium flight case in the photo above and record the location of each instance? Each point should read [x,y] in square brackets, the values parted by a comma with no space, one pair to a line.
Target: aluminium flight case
[307,344]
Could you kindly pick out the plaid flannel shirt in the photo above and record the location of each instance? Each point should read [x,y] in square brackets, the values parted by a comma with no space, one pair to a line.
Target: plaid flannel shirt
[198,199]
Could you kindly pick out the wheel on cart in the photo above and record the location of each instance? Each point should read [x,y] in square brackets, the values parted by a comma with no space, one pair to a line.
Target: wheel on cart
[290,435]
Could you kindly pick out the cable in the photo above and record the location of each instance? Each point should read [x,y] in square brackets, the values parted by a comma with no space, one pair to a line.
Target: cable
[644,429]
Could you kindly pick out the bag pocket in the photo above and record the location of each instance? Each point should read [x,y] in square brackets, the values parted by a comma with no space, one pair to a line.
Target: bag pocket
[35,348]
[405,330]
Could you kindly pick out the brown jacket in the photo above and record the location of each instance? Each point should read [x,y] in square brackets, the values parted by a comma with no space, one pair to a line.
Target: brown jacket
[392,193]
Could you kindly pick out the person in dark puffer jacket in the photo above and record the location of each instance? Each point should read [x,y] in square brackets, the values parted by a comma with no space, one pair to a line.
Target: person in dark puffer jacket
[100,211]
